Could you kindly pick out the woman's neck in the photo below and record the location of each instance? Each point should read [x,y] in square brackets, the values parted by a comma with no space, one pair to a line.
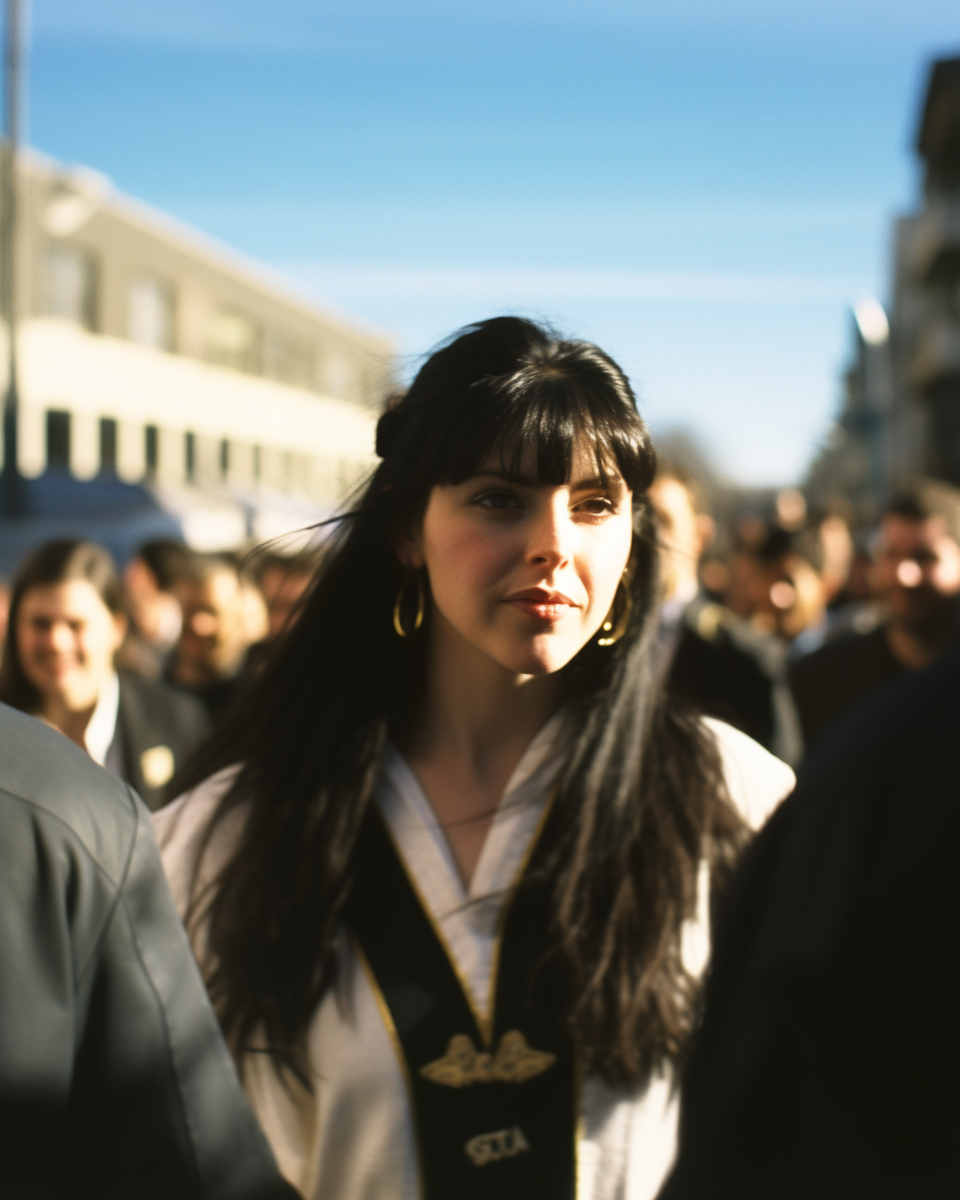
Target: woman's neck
[474,725]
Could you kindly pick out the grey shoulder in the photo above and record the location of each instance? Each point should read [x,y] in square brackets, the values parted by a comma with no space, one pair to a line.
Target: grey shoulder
[46,775]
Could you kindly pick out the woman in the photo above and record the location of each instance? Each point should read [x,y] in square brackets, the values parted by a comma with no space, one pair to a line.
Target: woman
[66,625]
[438,868]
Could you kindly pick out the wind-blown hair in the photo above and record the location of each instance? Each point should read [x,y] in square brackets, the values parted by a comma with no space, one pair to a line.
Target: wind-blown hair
[54,562]
[639,799]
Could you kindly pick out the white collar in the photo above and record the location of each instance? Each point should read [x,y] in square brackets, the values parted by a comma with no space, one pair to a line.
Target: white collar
[103,723]
[469,918]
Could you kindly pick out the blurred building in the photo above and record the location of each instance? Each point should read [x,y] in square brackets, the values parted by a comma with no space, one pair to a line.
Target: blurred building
[854,463]
[925,319]
[152,357]
[900,413]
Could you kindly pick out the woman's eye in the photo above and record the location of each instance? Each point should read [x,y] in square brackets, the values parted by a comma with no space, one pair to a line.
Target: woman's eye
[498,500]
[597,506]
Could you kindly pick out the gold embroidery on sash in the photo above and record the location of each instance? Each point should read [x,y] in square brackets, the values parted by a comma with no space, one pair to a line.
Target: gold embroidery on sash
[463,1064]
[491,1147]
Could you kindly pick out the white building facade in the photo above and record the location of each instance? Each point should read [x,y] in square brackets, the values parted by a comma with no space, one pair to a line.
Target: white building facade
[148,352]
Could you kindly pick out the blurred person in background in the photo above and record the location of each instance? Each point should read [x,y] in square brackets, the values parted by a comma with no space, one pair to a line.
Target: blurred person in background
[283,580]
[851,606]
[224,614]
[66,625]
[838,551]
[152,608]
[916,574]
[712,658]
[776,584]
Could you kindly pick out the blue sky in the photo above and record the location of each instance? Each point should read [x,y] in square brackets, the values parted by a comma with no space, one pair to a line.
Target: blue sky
[702,188]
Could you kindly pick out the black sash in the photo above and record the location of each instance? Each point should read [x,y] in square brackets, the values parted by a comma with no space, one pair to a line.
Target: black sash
[494,1103]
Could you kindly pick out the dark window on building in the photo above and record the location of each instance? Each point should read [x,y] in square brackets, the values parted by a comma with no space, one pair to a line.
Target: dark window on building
[151,453]
[224,456]
[58,439]
[190,454]
[108,445]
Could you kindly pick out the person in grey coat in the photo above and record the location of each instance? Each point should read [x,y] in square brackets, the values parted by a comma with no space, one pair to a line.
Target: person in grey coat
[114,1078]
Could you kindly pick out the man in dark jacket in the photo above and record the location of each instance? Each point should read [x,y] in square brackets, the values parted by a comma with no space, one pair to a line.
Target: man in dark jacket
[711,658]
[114,1079]
[828,1063]
[157,728]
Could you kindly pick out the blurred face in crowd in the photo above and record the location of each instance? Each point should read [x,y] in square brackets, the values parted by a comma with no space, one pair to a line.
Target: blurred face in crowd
[784,596]
[684,533]
[795,598]
[220,621]
[838,555]
[282,590]
[917,571]
[66,638]
[155,613]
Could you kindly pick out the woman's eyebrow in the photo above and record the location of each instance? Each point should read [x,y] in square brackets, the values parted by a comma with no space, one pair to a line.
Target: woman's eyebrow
[596,481]
[612,482]
[506,476]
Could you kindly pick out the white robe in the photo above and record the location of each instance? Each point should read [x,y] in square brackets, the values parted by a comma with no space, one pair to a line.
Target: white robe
[352,1137]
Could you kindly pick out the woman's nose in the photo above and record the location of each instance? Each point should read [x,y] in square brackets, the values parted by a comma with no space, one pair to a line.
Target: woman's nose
[60,637]
[550,538]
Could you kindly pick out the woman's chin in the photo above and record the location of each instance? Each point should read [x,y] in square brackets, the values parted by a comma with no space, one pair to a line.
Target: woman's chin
[540,658]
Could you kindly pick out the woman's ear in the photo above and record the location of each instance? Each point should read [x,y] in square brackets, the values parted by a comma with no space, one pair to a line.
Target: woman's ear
[408,545]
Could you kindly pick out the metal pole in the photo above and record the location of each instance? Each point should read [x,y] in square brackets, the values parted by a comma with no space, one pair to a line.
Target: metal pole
[13,494]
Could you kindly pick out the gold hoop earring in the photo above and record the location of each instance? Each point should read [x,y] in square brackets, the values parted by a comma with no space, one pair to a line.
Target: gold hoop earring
[618,618]
[398,606]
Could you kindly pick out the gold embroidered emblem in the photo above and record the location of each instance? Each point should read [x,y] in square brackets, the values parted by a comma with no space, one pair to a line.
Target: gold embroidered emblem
[463,1064]
[491,1147]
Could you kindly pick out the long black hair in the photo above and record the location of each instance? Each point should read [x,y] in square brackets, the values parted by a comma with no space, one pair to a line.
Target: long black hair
[639,800]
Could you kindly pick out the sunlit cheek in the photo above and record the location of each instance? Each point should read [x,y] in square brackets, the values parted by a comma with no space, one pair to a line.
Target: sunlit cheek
[32,654]
[465,565]
[602,584]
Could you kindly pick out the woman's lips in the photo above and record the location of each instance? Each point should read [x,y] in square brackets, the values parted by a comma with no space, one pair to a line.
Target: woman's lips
[542,604]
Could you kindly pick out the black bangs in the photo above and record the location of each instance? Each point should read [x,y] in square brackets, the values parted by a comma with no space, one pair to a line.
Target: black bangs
[533,420]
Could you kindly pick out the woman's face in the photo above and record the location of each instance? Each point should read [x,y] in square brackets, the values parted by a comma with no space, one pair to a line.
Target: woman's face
[525,572]
[66,640]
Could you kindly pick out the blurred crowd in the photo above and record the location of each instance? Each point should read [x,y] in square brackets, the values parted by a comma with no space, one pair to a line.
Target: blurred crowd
[777,621]
[137,667]
[781,621]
